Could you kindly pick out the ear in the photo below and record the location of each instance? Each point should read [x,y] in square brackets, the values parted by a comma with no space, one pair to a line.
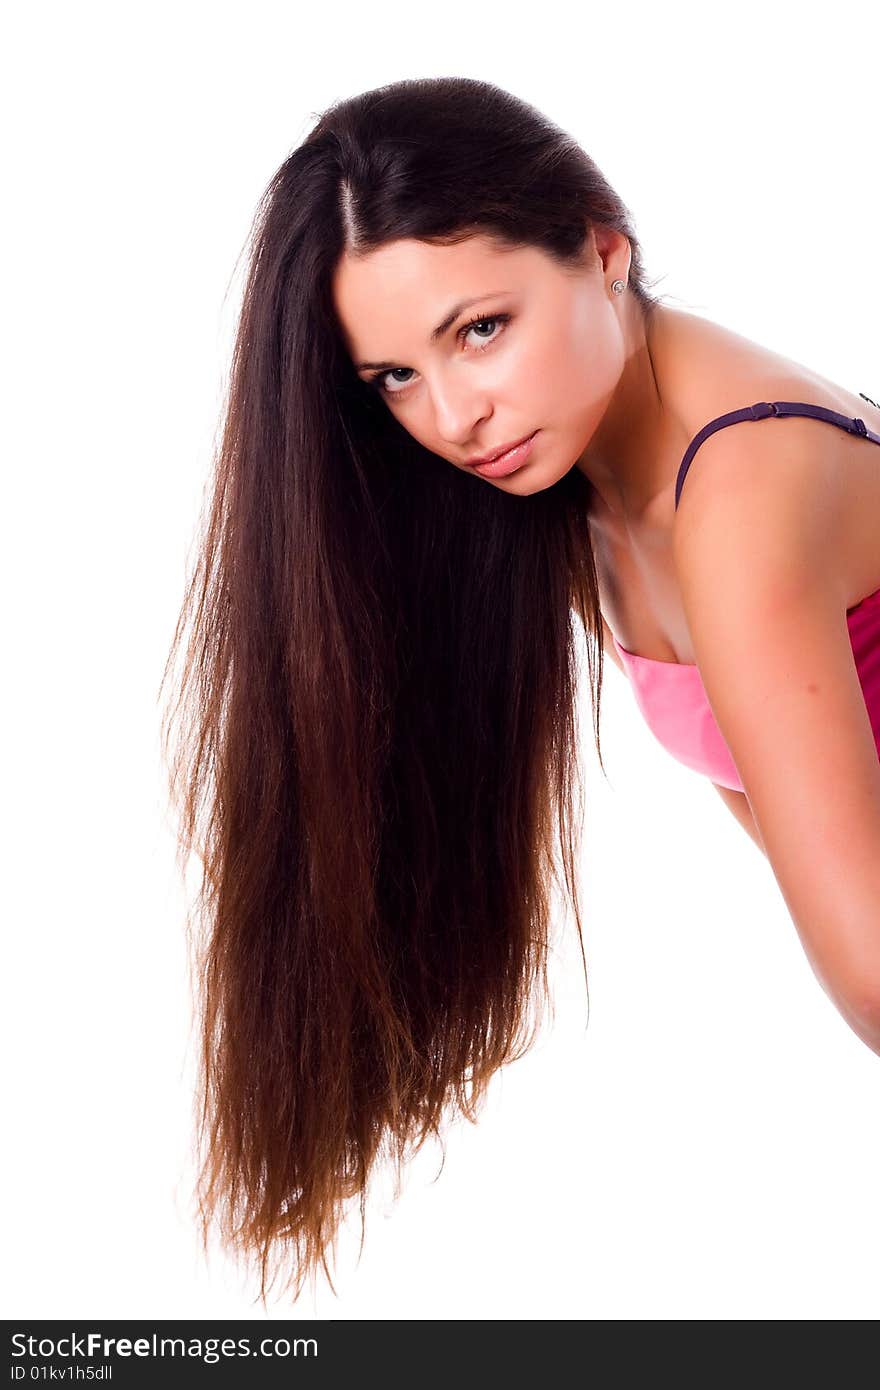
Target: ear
[612,251]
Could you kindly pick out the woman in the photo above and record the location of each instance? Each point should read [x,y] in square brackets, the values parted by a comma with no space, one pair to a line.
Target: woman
[377,735]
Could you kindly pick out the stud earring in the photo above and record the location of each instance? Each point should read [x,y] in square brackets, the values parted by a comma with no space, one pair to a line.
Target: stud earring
[619,286]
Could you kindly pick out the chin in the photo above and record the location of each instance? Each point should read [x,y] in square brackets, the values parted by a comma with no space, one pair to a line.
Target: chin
[525,482]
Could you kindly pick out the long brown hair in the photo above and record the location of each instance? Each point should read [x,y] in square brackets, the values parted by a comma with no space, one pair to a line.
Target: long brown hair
[373,740]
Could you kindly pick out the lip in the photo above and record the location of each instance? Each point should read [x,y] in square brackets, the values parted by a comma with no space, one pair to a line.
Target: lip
[503,461]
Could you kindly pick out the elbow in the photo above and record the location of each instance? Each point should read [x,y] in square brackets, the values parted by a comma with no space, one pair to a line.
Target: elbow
[868,1031]
[868,1028]
[845,956]
[859,1004]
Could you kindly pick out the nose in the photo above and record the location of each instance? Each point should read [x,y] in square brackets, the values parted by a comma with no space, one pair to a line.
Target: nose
[458,411]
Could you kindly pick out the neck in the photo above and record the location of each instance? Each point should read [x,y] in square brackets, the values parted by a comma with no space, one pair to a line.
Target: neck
[623,459]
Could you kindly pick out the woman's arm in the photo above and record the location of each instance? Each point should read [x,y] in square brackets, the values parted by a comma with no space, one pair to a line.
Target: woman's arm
[755,559]
[738,803]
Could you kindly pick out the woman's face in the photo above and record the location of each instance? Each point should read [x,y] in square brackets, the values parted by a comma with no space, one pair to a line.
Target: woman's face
[531,347]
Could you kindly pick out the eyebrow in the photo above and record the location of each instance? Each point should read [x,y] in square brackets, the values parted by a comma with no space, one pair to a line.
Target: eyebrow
[436,333]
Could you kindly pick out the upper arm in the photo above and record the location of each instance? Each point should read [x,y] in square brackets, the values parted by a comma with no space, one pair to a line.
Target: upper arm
[767,620]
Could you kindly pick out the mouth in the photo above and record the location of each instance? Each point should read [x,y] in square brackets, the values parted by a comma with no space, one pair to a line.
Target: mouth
[497,453]
[505,460]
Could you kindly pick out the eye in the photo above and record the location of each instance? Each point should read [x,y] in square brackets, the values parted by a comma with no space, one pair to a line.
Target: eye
[379,381]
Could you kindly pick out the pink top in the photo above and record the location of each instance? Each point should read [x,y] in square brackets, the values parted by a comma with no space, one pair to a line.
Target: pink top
[671,695]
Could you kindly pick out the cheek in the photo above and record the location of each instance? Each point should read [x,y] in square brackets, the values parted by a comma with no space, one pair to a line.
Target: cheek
[553,374]
[537,374]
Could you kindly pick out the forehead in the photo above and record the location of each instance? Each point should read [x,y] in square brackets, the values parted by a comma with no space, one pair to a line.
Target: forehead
[408,286]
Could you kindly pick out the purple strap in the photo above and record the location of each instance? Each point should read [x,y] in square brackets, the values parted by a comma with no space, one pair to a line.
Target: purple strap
[762,411]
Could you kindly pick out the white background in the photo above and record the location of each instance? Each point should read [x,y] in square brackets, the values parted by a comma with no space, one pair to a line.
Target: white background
[707,1146]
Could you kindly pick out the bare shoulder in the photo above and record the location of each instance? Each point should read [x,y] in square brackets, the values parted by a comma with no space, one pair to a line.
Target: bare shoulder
[794,489]
[765,505]
[789,477]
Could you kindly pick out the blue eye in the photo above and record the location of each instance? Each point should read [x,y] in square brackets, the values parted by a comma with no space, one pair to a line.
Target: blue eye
[379,379]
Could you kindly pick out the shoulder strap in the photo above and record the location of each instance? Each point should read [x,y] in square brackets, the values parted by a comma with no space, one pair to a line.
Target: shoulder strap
[762,411]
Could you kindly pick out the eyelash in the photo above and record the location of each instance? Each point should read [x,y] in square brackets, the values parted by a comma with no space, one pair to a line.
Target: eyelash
[378,379]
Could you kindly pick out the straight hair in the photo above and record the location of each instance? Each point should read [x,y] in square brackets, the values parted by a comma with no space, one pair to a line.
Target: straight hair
[372,742]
